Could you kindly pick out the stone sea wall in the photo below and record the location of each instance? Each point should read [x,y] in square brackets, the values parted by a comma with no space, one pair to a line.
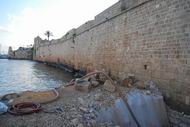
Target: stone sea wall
[148,38]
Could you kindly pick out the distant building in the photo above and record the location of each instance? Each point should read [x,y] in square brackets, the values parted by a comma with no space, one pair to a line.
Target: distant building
[20,53]
[0,48]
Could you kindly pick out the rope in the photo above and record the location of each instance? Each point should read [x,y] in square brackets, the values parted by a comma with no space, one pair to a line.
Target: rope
[24,108]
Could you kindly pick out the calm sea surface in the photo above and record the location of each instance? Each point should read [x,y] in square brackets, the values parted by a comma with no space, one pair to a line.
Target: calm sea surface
[22,75]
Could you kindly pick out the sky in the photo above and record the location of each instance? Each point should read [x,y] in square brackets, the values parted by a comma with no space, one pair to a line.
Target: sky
[22,20]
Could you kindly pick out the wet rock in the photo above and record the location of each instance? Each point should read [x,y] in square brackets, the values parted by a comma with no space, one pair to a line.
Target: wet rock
[82,85]
[108,86]
[10,96]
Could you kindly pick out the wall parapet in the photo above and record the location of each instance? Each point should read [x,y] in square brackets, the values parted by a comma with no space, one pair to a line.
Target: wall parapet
[112,12]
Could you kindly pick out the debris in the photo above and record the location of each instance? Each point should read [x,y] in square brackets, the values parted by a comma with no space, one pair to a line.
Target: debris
[82,85]
[98,97]
[3,108]
[147,92]
[132,77]
[83,109]
[54,110]
[80,125]
[127,82]
[94,83]
[108,86]
[140,85]
[75,121]
[81,101]
[151,85]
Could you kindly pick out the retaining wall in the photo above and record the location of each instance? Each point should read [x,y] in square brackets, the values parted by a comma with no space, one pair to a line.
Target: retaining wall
[149,38]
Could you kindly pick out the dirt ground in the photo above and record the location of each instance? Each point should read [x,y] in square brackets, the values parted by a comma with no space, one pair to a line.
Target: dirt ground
[75,108]
[72,109]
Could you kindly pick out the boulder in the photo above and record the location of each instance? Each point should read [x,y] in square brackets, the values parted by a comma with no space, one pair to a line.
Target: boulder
[109,86]
[82,85]
[127,82]
[94,83]
[140,85]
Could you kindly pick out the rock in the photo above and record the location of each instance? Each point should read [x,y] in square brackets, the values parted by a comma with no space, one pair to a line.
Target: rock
[93,123]
[94,83]
[127,82]
[75,121]
[81,101]
[101,77]
[80,125]
[83,109]
[82,85]
[98,97]
[132,77]
[8,97]
[140,85]
[108,86]
[151,85]
[147,92]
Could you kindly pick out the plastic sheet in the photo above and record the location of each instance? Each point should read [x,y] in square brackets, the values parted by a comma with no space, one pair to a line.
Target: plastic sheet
[149,111]
[3,108]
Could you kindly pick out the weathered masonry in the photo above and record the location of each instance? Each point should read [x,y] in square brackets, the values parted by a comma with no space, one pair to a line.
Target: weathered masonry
[149,38]
[20,53]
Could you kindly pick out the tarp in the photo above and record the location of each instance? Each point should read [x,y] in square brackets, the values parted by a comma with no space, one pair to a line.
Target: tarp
[149,111]
[3,108]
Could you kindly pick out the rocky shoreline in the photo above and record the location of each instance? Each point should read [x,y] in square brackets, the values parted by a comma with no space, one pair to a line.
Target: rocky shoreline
[82,108]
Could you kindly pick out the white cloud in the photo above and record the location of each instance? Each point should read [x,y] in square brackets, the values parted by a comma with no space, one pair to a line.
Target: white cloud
[58,17]
[4,30]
